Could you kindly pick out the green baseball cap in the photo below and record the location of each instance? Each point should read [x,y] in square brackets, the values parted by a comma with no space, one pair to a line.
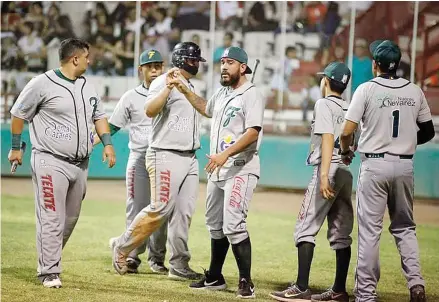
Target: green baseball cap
[338,72]
[238,54]
[385,53]
[150,56]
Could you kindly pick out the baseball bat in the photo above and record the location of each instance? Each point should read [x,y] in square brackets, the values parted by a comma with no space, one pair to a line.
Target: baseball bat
[255,68]
[15,162]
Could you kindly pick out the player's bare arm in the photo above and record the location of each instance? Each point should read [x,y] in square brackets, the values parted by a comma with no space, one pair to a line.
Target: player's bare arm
[155,106]
[425,132]
[103,131]
[17,125]
[346,137]
[216,161]
[327,147]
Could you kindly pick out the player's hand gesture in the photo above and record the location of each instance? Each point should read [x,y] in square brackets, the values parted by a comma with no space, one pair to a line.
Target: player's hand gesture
[216,161]
[325,188]
[177,83]
[171,75]
[109,155]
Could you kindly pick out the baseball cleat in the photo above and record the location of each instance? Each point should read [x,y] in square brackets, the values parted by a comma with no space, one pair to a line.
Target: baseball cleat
[119,259]
[292,293]
[183,274]
[331,295]
[132,266]
[246,289]
[417,294]
[52,281]
[210,282]
[158,268]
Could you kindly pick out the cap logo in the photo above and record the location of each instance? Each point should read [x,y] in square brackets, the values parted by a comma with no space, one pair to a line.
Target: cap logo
[151,53]
[226,53]
[392,65]
[344,79]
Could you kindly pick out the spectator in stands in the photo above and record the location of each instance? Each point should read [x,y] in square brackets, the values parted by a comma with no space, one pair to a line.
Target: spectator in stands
[330,24]
[260,17]
[227,42]
[32,49]
[36,16]
[124,53]
[175,34]
[11,18]
[101,58]
[314,12]
[310,94]
[280,83]
[155,41]
[162,22]
[361,64]
[194,15]
[229,15]
[101,23]
[57,25]
[131,23]
[9,53]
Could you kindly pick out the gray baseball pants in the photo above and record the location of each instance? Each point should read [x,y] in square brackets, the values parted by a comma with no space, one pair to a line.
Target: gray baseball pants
[385,182]
[59,187]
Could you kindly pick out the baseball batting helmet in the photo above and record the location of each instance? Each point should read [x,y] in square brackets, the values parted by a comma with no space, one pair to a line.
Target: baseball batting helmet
[186,50]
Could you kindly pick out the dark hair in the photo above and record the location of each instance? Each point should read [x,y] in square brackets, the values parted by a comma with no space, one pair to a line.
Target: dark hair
[385,68]
[30,25]
[69,47]
[38,3]
[162,11]
[230,34]
[336,86]
[290,48]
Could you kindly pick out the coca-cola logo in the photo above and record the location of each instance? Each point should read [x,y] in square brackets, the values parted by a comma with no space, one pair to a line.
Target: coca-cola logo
[236,196]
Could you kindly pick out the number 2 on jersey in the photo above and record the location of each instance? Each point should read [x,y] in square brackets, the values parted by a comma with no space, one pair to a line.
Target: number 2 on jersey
[395,114]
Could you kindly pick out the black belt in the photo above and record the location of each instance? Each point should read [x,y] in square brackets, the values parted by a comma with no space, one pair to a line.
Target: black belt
[178,151]
[68,159]
[381,155]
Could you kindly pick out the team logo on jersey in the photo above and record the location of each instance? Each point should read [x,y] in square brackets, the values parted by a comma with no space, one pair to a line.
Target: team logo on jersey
[226,142]
[179,124]
[94,103]
[59,132]
[230,113]
[151,53]
[339,119]
[389,100]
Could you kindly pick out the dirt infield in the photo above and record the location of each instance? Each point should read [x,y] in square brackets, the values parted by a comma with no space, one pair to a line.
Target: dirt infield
[264,200]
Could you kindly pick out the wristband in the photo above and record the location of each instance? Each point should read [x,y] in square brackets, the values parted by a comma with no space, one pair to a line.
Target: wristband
[16,141]
[106,139]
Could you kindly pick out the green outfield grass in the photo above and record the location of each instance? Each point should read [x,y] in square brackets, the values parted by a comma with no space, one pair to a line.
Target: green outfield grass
[89,276]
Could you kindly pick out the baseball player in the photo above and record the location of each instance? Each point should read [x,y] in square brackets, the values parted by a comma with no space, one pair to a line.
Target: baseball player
[328,194]
[237,111]
[61,107]
[395,117]
[172,167]
[130,112]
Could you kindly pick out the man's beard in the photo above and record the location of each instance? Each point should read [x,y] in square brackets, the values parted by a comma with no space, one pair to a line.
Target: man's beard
[231,81]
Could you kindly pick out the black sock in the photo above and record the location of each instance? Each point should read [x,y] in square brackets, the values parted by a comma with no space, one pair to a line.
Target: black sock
[343,257]
[305,253]
[243,256]
[218,253]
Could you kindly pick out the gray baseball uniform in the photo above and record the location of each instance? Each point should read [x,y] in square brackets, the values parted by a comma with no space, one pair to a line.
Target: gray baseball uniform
[173,169]
[388,110]
[229,192]
[61,114]
[130,112]
[328,118]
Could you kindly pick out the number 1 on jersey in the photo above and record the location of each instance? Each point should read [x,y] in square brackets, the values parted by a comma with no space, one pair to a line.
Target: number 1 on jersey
[395,114]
